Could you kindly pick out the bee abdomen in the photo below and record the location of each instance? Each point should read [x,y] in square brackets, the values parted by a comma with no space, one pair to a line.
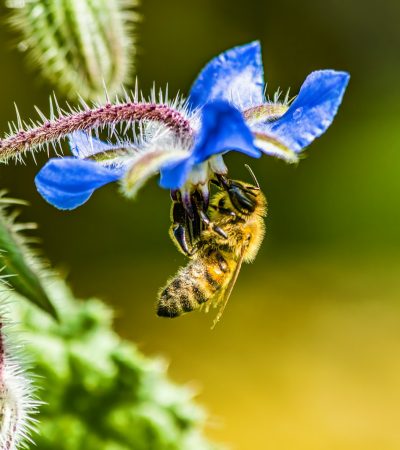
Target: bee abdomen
[172,306]
[192,286]
[179,297]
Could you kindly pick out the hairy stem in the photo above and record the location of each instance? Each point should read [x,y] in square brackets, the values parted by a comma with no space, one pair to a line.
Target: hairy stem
[7,424]
[109,114]
[16,392]
[9,410]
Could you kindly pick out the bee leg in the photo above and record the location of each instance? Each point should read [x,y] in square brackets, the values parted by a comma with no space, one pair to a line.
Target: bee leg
[196,225]
[180,229]
[186,203]
[222,181]
[206,220]
[204,193]
[189,219]
[180,236]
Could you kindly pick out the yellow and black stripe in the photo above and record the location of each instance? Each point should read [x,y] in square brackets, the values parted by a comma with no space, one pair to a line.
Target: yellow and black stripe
[193,285]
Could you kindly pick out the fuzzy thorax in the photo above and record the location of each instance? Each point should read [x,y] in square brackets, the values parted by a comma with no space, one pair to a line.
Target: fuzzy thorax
[242,226]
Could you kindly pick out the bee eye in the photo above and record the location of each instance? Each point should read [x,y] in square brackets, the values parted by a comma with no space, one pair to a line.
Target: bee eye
[221,203]
[241,201]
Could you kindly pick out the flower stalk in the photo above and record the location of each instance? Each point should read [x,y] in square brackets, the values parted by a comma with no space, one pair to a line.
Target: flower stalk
[53,130]
[16,403]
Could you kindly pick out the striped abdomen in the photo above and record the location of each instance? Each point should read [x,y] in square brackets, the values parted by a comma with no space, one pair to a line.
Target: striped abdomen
[193,285]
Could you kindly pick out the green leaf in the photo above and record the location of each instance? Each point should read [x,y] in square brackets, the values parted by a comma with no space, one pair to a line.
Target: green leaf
[98,390]
[20,265]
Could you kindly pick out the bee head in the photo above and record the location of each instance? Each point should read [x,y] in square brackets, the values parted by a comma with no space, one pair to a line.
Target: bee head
[240,197]
[243,196]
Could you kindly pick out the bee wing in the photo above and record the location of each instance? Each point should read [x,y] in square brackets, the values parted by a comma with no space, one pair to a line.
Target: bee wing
[227,291]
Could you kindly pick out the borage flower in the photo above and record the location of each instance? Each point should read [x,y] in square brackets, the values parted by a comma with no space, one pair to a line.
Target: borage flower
[226,110]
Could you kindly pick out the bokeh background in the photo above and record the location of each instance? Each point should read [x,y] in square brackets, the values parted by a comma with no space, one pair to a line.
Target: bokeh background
[307,354]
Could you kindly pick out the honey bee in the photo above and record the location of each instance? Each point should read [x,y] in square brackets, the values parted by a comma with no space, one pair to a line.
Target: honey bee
[234,231]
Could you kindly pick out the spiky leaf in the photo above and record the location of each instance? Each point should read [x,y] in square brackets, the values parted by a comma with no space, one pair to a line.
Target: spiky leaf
[22,268]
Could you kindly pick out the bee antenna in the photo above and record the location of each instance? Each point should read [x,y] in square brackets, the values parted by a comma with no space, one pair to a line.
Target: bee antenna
[252,175]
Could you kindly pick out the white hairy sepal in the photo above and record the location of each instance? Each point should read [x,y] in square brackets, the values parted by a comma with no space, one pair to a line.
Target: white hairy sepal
[156,145]
[200,176]
[17,402]
[144,166]
[217,165]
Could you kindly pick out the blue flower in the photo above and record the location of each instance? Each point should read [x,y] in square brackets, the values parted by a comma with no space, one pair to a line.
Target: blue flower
[227,109]
[69,182]
[233,83]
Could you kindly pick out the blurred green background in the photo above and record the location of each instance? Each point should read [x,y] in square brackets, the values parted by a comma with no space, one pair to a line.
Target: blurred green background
[307,353]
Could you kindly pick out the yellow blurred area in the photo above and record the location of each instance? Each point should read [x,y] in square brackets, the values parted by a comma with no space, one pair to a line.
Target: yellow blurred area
[305,357]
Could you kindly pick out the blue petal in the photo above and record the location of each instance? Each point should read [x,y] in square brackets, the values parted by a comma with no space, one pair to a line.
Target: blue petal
[222,129]
[83,145]
[236,76]
[68,182]
[174,175]
[312,112]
